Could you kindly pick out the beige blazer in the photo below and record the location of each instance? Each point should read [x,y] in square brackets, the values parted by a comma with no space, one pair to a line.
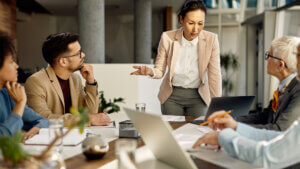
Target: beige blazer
[209,64]
[44,94]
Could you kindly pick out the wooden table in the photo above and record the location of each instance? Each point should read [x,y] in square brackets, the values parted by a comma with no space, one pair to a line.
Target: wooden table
[80,162]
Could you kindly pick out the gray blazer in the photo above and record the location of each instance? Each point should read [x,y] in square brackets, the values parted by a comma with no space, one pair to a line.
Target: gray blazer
[288,110]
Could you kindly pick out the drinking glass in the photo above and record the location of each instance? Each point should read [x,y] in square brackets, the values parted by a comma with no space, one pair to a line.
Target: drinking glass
[56,127]
[141,107]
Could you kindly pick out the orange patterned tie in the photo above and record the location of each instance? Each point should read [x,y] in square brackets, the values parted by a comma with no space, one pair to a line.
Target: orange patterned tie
[275,100]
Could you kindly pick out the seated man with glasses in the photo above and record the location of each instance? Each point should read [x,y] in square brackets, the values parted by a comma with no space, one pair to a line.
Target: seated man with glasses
[52,91]
[284,108]
[265,148]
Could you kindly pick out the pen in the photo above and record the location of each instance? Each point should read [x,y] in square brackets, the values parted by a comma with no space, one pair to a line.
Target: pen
[221,115]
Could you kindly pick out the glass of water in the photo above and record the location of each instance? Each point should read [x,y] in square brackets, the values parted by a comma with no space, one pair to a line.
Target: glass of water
[56,129]
[141,107]
[125,152]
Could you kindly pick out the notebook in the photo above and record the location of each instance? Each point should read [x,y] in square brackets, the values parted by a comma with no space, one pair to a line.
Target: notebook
[72,139]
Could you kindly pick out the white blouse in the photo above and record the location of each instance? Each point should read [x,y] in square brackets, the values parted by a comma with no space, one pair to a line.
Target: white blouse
[186,72]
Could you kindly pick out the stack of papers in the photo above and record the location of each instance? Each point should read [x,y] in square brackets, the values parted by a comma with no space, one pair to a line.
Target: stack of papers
[72,139]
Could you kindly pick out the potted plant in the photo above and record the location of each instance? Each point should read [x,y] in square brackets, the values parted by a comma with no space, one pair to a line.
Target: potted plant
[15,157]
[109,106]
[230,64]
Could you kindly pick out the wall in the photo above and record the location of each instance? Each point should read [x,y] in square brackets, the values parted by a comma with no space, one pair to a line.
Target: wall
[66,24]
[8,18]
[229,38]
[292,23]
[115,80]
[229,44]
[32,30]
[119,35]
[157,26]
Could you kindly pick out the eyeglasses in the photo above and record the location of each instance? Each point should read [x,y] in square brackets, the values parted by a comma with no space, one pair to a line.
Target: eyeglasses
[267,56]
[80,55]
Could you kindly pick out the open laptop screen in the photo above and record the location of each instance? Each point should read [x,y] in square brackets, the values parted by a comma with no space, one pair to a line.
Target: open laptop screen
[240,105]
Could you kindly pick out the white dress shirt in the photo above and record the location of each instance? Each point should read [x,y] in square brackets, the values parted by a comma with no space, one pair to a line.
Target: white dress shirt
[186,73]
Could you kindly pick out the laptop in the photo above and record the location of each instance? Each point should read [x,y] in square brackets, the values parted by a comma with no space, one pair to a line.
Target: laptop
[157,135]
[240,106]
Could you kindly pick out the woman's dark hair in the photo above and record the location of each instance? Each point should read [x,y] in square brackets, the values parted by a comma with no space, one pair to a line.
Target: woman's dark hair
[191,5]
[56,44]
[6,47]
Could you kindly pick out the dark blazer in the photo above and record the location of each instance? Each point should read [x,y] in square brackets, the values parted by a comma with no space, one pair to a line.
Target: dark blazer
[288,110]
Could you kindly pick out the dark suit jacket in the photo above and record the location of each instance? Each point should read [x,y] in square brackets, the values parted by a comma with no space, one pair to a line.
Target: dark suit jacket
[288,110]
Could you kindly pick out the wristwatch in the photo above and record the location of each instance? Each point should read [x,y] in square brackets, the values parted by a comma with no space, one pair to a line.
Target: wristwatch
[93,84]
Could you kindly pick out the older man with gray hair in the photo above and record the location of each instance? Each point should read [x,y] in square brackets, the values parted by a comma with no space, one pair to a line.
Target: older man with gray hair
[265,148]
[283,109]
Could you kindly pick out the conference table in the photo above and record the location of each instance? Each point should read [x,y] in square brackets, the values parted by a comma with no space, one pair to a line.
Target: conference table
[80,162]
[74,159]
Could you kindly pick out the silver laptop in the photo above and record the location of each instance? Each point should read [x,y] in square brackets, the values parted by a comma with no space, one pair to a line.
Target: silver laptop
[157,135]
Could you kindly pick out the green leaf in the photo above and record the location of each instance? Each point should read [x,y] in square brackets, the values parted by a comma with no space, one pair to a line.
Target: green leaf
[83,115]
[110,106]
[11,148]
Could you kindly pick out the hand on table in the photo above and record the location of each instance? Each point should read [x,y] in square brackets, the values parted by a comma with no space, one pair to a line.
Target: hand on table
[209,138]
[99,119]
[33,131]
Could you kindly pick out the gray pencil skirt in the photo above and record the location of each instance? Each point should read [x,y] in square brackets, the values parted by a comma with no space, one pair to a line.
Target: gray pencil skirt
[184,102]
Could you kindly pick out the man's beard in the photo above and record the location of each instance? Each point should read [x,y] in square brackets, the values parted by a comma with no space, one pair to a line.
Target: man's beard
[76,68]
[79,67]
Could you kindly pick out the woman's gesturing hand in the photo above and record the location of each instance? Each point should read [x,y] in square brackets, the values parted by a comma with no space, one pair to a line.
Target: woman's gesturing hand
[142,70]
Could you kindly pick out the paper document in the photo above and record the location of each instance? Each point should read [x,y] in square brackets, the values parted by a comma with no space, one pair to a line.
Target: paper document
[71,139]
[186,141]
[204,130]
[188,134]
[173,118]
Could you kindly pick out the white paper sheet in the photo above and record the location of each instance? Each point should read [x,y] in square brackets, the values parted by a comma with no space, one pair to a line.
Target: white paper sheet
[173,118]
[71,139]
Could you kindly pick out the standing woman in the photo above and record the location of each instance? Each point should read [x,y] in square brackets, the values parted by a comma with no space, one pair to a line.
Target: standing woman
[193,59]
